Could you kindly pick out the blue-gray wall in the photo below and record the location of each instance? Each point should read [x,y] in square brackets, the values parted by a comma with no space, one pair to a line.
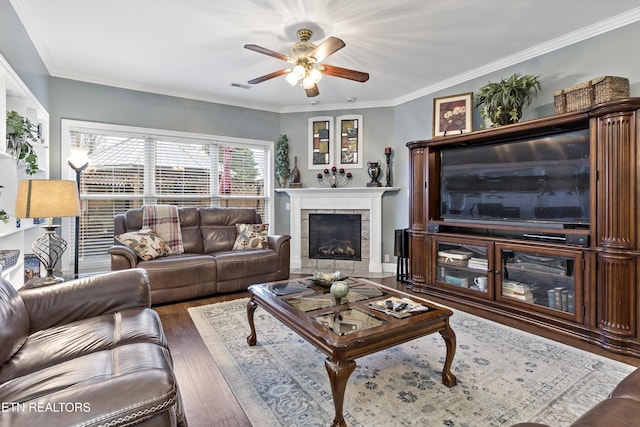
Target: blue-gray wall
[17,49]
[608,54]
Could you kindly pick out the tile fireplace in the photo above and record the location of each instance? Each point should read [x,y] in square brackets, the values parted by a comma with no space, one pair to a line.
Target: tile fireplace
[363,201]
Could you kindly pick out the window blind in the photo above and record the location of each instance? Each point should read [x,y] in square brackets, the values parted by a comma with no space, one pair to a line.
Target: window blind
[128,170]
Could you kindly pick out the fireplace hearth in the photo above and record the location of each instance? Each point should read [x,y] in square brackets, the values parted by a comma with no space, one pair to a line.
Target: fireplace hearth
[335,236]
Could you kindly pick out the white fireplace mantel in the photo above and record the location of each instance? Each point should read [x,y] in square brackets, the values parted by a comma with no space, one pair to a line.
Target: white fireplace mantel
[362,198]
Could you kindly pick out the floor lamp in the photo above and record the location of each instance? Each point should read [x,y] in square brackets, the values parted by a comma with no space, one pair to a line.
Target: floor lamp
[78,160]
[41,198]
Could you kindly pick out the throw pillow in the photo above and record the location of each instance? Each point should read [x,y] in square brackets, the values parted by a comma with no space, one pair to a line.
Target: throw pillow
[145,243]
[251,236]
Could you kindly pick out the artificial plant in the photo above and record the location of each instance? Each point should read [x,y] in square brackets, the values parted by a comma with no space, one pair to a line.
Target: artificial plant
[21,134]
[502,102]
[282,158]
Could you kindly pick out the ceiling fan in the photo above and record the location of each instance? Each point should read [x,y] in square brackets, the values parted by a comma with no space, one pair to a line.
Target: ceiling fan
[306,58]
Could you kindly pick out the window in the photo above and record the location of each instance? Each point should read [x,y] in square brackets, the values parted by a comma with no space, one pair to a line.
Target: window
[131,167]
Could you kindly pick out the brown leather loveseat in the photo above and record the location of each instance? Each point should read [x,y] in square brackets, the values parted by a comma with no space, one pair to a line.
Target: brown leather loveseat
[87,352]
[208,264]
[620,409]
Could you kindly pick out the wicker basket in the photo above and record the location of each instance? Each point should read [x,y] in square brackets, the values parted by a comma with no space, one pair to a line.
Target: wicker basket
[579,97]
[560,102]
[586,94]
[8,258]
[609,89]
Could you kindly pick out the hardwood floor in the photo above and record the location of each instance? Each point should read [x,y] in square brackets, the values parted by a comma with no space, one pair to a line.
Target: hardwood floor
[208,400]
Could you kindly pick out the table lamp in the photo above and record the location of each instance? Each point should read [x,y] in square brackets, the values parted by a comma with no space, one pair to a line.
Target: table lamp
[40,198]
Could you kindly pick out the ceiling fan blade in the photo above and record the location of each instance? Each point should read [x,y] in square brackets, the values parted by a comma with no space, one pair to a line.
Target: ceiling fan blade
[265,51]
[345,73]
[269,76]
[326,48]
[314,91]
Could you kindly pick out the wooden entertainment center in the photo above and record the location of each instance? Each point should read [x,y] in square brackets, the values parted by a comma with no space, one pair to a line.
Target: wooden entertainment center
[500,225]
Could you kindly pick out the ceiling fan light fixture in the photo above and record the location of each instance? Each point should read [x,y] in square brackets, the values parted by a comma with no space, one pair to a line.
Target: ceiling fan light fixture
[292,79]
[299,71]
[306,59]
[308,83]
[315,75]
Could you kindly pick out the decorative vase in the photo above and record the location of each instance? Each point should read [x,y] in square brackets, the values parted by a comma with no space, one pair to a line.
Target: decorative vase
[339,289]
[295,172]
[374,172]
[283,181]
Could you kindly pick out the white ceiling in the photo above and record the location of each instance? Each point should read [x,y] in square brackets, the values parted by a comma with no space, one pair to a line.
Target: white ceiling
[194,48]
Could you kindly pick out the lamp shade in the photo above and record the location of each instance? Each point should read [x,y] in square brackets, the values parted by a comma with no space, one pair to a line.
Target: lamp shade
[41,198]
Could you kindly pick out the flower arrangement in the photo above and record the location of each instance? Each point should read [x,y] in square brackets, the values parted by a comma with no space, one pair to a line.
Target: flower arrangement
[334,177]
[455,118]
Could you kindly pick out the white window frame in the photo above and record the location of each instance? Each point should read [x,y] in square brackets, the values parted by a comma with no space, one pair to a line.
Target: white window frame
[68,224]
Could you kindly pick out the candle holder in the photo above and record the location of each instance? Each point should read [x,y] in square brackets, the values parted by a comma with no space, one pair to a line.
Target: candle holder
[334,177]
[387,153]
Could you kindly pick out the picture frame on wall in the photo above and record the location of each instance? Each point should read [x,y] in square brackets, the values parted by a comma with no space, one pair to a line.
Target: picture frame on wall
[31,267]
[320,142]
[349,143]
[453,114]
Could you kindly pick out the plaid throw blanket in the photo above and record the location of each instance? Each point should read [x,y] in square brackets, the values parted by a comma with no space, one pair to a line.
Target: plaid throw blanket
[163,219]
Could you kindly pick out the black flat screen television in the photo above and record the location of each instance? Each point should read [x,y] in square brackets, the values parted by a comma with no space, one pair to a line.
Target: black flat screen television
[542,180]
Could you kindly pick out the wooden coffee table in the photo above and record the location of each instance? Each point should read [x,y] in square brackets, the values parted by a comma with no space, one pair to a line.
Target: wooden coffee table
[355,326]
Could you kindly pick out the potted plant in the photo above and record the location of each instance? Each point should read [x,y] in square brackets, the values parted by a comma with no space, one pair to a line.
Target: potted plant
[21,134]
[282,159]
[502,102]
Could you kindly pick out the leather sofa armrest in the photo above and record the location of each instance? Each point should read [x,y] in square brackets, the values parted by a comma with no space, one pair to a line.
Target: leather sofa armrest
[281,244]
[276,241]
[122,257]
[87,297]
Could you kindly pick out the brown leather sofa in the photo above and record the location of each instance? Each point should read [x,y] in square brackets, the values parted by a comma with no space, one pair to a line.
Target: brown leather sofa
[88,352]
[208,264]
[620,409]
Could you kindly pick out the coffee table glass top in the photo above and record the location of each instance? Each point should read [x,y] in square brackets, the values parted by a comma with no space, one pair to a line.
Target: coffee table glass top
[344,322]
[365,306]
[315,301]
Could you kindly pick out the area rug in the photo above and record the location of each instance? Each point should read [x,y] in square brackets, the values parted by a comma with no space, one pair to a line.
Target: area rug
[504,376]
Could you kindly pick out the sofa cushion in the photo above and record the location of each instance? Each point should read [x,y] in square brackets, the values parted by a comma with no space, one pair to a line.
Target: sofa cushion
[190,226]
[241,264]
[145,243]
[251,236]
[131,220]
[110,387]
[51,346]
[14,321]
[170,271]
[218,226]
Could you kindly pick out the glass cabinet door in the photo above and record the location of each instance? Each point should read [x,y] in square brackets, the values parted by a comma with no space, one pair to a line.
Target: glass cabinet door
[549,279]
[462,265]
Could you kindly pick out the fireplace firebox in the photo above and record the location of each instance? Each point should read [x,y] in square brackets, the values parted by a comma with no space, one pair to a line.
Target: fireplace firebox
[335,236]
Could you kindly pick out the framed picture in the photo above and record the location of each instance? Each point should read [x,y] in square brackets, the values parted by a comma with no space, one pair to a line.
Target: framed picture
[31,267]
[320,142]
[349,141]
[453,114]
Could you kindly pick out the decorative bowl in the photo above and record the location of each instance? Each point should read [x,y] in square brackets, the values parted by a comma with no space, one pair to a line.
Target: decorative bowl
[326,279]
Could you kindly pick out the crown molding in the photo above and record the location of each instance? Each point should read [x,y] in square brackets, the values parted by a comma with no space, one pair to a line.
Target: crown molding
[565,40]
